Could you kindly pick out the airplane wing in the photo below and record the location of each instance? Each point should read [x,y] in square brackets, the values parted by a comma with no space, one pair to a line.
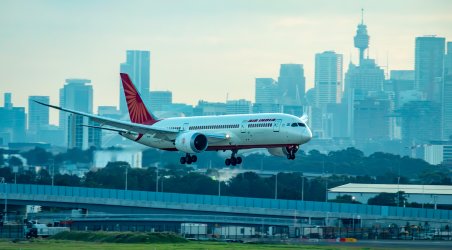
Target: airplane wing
[129,126]
[158,132]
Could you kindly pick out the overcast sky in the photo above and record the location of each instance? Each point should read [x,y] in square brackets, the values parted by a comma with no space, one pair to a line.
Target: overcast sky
[199,49]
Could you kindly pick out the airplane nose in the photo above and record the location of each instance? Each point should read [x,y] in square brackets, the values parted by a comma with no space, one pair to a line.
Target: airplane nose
[307,136]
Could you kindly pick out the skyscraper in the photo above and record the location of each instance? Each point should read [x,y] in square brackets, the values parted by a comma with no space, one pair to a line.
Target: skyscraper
[361,82]
[266,96]
[137,65]
[161,100]
[240,106]
[77,94]
[328,78]
[292,83]
[429,63]
[38,115]
[12,122]
[447,95]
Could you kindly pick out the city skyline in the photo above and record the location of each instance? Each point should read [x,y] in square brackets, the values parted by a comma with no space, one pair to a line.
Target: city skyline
[198,43]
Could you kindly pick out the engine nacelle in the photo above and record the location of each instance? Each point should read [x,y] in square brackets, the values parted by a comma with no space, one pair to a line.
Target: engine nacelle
[191,142]
[282,151]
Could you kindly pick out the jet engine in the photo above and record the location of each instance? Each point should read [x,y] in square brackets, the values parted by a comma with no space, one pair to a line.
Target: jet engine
[191,142]
[289,151]
[282,151]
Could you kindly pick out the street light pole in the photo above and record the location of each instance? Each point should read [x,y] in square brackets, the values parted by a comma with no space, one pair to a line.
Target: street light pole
[219,185]
[5,217]
[126,178]
[276,186]
[156,179]
[53,171]
[302,188]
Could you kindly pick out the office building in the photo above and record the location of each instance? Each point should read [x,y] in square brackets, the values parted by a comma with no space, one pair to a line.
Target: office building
[328,78]
[77,94]
[371,120]
[267,93]
[161,100]
[12,122]
[205,108]
[428,67]
[38,115]
[292,83]
[137,65]
[240,106]
[447,95]
[420,122]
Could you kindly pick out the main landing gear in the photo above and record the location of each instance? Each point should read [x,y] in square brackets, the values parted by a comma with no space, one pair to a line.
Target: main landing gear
[291,152]
[233,160]
[188,159]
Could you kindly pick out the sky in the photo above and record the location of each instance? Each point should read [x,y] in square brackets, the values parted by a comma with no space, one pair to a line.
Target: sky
[200,49]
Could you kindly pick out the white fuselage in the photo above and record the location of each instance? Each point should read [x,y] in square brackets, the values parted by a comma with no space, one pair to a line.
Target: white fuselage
[241,131]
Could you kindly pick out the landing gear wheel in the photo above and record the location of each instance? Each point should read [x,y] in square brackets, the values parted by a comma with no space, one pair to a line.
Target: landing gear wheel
[227,162]
[239,160]
[233,161]
[194,158]
[189,161]
[182,160]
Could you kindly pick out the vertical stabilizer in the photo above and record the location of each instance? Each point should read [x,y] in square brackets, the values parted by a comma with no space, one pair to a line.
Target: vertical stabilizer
[137,110]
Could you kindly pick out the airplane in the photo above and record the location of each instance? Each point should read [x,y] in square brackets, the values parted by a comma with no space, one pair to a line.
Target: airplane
[281,134]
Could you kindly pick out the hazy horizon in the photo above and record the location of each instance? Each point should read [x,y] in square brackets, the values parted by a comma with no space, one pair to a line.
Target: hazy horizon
[199,49]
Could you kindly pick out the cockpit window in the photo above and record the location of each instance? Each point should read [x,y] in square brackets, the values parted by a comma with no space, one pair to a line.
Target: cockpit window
[301,124]
[294,124]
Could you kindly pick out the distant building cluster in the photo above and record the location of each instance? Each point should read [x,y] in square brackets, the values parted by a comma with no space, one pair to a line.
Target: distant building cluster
[402,111]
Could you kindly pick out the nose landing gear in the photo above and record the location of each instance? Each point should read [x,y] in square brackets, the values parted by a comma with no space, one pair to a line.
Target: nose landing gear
[233,160]
[188,159]
[291,152]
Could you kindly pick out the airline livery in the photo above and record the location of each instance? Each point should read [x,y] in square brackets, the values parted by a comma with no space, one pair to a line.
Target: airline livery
[281,134]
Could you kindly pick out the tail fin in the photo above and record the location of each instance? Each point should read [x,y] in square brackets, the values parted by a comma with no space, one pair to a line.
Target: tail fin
[137,110]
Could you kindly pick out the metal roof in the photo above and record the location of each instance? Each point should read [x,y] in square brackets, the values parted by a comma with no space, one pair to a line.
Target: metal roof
[392,188]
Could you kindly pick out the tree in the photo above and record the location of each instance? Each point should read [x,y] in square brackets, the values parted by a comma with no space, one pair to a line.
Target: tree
[15,161]
[388,199]
[345,199]
[37,156]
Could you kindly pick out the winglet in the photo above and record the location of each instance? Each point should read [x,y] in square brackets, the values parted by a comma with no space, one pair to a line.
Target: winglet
[304,118]
[137,109]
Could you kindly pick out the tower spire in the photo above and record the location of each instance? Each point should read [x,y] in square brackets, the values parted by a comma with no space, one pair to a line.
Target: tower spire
[362,16]
[361,38]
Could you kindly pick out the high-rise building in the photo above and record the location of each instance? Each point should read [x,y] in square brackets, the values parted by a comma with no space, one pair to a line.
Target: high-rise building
[7,103]
[240,106]
[266,96]
[292,84]
[429,64]
[12,122]
[371,121]
[361,81]
[77,94]
[137,65]
[161,100]
[266,90]
[38,115]
[205,108]
[328,78]
[421,122]
[447,95]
